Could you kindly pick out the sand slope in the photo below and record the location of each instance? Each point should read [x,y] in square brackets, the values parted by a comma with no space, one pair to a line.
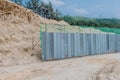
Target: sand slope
[19,32]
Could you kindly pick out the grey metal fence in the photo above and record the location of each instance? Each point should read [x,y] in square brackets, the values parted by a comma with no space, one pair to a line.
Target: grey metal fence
[67,45]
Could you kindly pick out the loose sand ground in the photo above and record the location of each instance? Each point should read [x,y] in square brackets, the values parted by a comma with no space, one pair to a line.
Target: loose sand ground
[100,67]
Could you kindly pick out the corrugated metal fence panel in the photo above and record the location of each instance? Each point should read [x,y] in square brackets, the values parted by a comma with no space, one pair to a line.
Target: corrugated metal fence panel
[97,44]
[44,46]
[81,44]
[73,44]
[67,45]
[84,45]
[92,46]
[118,43]
[76,45]
[56,46]
[111,43]
[87,44]
[105,43]
[100,38]
[49,46]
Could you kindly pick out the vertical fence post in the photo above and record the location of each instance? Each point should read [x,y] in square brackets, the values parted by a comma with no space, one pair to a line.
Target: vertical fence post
[79,29]
[41,41]
[45,28]
[40,36]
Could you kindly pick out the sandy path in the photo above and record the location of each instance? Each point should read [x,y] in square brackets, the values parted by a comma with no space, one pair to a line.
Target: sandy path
[86,68]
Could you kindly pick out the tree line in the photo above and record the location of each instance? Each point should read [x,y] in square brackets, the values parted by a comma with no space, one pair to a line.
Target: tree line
[96,22]
[48,11]
[43,9]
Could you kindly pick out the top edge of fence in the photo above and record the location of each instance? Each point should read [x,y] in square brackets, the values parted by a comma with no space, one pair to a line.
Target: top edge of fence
[80,33]
[77,25]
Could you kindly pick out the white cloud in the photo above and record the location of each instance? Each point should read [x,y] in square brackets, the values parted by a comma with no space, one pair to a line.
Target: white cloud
[55,2]
[80,11]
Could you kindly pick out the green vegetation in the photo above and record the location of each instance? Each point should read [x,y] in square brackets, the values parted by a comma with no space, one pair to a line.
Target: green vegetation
[114,30]
[104,29]
[84,21]
[41,8]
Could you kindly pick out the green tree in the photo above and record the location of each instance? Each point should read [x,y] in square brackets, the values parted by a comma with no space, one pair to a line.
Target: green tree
[57,15]
[51,11]
[43,9]
[33,5]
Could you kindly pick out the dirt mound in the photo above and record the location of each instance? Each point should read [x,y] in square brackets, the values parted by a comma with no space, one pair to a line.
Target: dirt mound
[19,33]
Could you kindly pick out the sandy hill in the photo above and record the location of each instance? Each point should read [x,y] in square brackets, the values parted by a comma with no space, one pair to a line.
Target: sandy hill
[12,12]
[19,32]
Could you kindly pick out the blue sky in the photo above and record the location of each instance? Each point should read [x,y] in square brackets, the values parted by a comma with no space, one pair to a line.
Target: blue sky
[88,8]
